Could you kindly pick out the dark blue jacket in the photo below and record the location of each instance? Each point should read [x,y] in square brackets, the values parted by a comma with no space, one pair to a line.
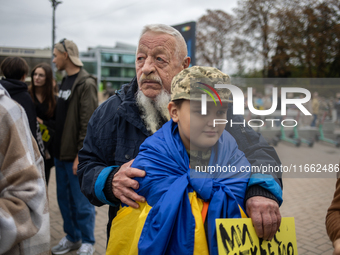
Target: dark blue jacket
[115,133]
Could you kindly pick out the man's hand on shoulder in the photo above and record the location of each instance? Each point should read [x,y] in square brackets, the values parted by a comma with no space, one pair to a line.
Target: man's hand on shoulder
[123,185]
[265,215]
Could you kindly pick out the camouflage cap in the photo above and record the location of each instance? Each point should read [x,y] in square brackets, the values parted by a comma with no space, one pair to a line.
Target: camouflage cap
[192,82]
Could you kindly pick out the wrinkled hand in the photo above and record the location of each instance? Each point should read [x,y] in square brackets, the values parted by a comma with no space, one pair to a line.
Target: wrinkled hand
[75,165]
[336,245]
[123,185]
[265,215]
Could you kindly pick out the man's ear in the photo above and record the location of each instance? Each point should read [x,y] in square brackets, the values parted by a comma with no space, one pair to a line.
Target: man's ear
[186,62]
[65,54]
[173,111]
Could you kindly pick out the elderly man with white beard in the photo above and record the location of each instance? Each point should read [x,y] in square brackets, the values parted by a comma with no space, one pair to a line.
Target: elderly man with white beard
[120,125]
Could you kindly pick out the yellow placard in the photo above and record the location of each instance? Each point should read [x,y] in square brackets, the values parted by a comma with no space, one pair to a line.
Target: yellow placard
[238,237]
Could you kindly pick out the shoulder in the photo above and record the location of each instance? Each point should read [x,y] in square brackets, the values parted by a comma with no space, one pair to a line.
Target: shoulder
[227,137]
[10,111]
[105,112]
[227,142]
[87,79]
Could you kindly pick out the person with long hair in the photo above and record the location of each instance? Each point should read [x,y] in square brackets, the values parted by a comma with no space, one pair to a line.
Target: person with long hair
[45,100]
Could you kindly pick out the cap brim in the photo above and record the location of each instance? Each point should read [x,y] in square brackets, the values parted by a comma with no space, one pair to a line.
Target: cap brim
[76,60]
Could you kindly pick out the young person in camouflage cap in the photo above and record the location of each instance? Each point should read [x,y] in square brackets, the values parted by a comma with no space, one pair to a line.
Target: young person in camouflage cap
[183,201]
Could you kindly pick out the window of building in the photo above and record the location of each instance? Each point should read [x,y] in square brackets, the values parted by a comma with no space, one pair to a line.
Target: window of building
[128,72]
[128,59]
[111,71]
[111,58]
[90,67]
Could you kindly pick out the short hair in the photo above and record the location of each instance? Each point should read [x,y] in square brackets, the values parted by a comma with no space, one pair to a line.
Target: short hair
[181,49]
[14,68]
[179,102]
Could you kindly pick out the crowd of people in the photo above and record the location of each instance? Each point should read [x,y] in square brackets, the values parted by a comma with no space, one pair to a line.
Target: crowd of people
[321,108]
[136,152]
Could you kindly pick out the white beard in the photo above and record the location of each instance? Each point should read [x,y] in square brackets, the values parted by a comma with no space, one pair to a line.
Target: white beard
[153,111]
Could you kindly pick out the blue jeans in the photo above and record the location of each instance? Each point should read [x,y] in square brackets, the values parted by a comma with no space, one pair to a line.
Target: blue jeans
[77,212]
[315,117]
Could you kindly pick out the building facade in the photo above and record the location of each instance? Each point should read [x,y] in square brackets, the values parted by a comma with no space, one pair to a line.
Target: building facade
[113,66]
[32,56]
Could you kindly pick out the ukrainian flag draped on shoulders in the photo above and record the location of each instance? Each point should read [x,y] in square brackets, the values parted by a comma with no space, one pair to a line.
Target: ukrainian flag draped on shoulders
[170,221]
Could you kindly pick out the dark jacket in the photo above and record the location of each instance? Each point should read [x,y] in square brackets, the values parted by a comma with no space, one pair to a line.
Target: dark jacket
[332,217]
[41,110]
[115,133]
[18,91]
[82,103]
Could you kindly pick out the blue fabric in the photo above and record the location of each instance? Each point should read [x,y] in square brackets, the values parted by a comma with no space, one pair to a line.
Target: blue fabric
[267,182]
[100,185]
[315,117]
[257,150]
[77,212]
[116,130]
[170,225]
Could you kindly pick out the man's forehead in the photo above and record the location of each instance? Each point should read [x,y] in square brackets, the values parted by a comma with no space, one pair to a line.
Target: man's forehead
[161,49]
[156,41]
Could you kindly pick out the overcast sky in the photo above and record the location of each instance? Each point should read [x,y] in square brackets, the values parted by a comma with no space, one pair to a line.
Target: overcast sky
[90,23]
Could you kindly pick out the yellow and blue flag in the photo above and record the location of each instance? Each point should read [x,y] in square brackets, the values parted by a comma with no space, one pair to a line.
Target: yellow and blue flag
[170,220]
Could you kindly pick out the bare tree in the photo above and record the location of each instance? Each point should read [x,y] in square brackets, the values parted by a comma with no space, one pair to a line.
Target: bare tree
[307,39]
[255,23]
[214,38]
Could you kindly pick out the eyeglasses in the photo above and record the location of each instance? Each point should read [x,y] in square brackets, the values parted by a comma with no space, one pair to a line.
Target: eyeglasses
[63,43]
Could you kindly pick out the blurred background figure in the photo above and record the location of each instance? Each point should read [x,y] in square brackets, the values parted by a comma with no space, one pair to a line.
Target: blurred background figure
[337,108]
[42,91]
[15,70]
[315,108]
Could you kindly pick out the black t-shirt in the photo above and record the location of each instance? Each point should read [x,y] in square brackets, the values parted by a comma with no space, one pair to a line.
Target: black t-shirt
[61,111]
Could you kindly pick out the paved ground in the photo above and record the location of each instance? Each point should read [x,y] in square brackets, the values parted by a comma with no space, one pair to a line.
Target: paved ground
[305,199]
[57,223]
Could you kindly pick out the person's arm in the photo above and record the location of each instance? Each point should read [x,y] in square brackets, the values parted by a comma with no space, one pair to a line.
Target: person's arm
[100,180]
[262,204]
[52,121]
[23,198]
[333,220]
[29,108]
[93,168]
[88,104]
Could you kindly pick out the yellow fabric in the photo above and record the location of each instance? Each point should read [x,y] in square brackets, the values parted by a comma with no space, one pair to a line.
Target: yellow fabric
[128,225]
[243,214]
[126,229]
[201,245]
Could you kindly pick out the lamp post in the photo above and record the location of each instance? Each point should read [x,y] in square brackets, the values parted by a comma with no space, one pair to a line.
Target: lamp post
[54,6]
